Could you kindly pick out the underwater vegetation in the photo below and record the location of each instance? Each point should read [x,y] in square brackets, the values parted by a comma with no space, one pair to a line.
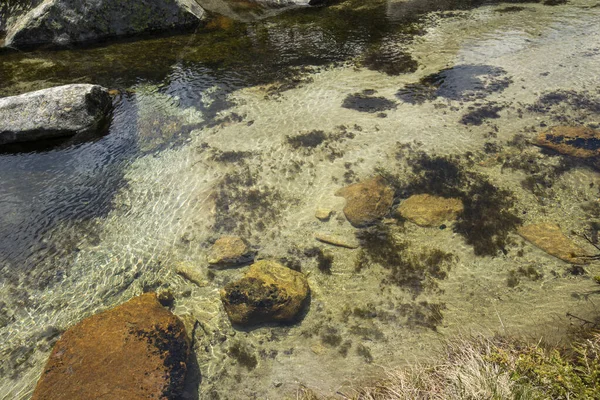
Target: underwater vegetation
[366,102]
[461,83]
[415,272]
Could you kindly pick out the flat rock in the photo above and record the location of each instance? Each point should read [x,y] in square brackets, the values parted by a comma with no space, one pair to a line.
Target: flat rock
[55,112]
[323,214]
[580,142]
[428,210]
[367,201]
[550,238]
[336,240]
[230,250]
[137,350]
[269,292]
[64,22]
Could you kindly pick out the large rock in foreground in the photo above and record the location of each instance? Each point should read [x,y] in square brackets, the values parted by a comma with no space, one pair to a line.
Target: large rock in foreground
[367,201]
[550,238]
[63,22]
[137,350]
[269,292]
[51,113]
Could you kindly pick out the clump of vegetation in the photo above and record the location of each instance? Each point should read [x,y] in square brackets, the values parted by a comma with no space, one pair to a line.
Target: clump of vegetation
[530,273]
[365,102]
[324,259]
[389,60]
[413,271]
[423,314]
[330,336]
[243,206]
[230,156]
[243,356]
[487,218]
[311,139]
[477,115]
[497,368]
[365,353]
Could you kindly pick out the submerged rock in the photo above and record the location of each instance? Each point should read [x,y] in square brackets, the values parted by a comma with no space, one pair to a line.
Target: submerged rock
[550,238]
[137,350]
[349,243]
[428,210]
[367,201]
[269,292]
[580,142]
[323,214]
[230,250]
[55,112]
[63,22]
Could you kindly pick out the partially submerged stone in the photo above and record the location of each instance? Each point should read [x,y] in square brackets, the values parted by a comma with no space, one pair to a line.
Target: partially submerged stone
[335,240]
[52,113]
[580,141]
[137,350]
[269,292]
[64,22]
[190,272]
[428,210]
[230,250]
[367,201]
[323,214]
[550,238]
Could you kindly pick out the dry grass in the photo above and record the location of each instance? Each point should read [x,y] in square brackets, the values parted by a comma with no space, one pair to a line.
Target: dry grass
[479,368]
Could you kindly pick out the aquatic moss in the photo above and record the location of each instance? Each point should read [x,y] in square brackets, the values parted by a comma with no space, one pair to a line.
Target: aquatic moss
[367,103]
[477,115]
[330,336]
[423,314]
[310,139]
[414,271]
[364,352]
[243,356]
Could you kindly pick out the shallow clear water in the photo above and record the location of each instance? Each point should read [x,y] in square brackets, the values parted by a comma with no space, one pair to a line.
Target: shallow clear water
[198,146]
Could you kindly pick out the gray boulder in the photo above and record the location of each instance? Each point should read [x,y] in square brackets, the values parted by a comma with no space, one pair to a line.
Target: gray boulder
[51,113]
[63,22]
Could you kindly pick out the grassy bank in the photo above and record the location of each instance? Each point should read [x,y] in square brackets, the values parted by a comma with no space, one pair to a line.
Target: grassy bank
[492,368]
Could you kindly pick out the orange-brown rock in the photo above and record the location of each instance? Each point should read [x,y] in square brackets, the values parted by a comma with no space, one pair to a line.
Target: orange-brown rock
[367,201]
[550,238]
[135,351]
[428,210]
[269,292]
[581,142]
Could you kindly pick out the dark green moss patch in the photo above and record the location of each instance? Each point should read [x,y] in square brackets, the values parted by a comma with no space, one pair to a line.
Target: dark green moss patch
[510,9]
[461,83]
[389,60]
[568,106]
[243,356]
[364,352]
[231,156]
[309,140]
[243,206]
[330,337]
[423,314]
[478,115]
[367,103]
[412,271]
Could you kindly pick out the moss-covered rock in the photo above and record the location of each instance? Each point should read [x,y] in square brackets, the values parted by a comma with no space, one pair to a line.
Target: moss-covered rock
[269,292]
[580,142]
